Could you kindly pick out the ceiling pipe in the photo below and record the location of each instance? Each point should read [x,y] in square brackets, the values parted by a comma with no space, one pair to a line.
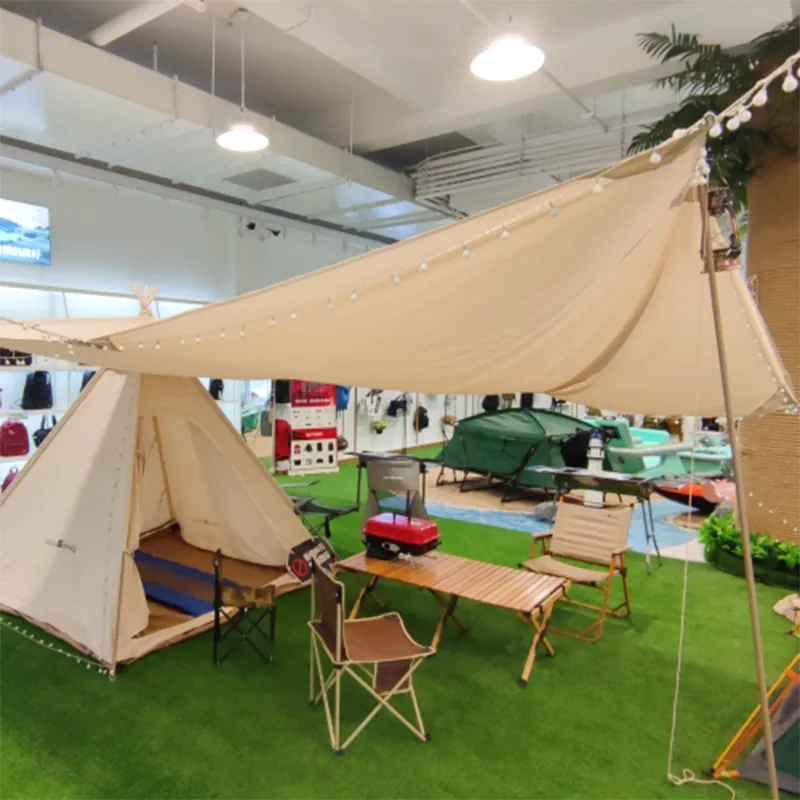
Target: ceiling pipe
[544,71]
[136,17]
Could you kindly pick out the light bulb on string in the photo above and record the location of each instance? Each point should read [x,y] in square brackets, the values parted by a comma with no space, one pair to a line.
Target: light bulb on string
[293,316]
[733,124]
[745,115]
[395,280]
[197,339]
[716,131]
[598,187]
[120,347]
[354,296]
[273,323]
[331,305]
[222,334]
[789,84]
[466,252]
[423,267]
[181,341]
[505,235]
[158,345]
[655,158]
[553,210]
[760,98]
[241,332]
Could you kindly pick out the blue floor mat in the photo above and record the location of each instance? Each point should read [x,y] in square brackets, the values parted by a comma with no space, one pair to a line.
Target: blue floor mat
[667,534]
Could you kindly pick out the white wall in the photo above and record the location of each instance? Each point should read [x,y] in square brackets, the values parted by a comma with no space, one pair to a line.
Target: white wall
[263,259]
[104,239]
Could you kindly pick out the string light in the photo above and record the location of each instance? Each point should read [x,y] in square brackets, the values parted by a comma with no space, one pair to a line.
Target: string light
[331,305]
[466,252]
[553,210]
[733,124]
[760,98]
[273,323]
[293,316]
[655,158]
[598,187]
[745,115]
[181,341]
[158,345]
[716,131]
[505,235]
[354,296]
[140,346]
[241,332]
[423,267]
[222,334]
[395,280]
[120,347]
[789,84]
[197,339]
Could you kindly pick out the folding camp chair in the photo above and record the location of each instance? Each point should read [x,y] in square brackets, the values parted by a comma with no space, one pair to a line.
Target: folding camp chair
[595,536]
[252,607]
[352,647]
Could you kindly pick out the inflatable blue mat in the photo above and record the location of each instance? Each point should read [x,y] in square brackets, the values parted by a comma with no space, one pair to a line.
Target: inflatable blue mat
[175,585]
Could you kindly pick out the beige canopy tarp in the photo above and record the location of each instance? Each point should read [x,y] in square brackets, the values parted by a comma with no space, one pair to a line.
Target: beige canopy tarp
[594,296]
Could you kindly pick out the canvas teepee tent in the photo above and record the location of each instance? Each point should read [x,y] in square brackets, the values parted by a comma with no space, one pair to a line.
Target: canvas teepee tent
[140,464]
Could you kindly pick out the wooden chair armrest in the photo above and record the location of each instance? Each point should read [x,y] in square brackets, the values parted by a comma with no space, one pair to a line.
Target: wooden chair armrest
[540,537]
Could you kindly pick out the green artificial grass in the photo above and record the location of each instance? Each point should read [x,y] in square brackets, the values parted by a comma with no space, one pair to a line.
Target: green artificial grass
[594,721]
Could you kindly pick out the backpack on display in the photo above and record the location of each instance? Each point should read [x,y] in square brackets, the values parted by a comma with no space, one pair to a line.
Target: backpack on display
[14,439]
[398,405]
[216,387]
[38,392]
[10,475]
[342,398]
[491,402]
[14,358]
[421,419]
[40,434]
[87,376]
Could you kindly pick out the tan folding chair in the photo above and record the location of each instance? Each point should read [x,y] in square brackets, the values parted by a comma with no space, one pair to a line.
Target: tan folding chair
[353,646]
[595,536]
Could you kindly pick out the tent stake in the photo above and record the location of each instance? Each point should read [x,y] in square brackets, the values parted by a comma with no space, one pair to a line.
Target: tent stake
[741,506]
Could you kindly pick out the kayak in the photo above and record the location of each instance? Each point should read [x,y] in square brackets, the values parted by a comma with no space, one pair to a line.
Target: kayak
[704,495]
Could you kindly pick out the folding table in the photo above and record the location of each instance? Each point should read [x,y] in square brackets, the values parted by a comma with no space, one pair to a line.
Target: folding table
[449,578]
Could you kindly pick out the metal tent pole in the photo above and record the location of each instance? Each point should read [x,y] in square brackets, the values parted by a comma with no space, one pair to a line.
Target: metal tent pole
[741,506]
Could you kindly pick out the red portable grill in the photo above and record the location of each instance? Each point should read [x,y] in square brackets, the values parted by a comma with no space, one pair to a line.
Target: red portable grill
[388,535]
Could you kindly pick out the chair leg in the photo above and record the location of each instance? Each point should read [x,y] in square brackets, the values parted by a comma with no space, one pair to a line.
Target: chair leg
[383,702]
[333,725]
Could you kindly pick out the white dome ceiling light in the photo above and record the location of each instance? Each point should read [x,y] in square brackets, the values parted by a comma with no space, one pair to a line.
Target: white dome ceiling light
[507,58]
[242,136]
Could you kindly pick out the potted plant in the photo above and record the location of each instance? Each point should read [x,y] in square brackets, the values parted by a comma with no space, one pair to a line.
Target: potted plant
[377,426]
[756,156]
[774,562]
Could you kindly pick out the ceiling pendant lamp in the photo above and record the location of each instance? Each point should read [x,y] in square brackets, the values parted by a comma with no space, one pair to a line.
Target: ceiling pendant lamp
[507,58]
[242,136]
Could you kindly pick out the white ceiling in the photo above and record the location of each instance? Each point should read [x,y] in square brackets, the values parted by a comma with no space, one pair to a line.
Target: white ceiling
[390,73]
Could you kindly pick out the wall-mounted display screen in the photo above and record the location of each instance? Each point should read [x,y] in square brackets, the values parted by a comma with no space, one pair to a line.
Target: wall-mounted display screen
[24,232]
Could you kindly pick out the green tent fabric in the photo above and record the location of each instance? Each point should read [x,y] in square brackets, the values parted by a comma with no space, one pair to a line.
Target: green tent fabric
[786,736]
[503,443]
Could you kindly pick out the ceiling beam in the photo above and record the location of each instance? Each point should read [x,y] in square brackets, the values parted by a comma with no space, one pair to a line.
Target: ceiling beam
[103,72]
[135,17]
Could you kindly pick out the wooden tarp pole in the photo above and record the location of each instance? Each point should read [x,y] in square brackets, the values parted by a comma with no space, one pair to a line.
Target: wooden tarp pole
[741,506]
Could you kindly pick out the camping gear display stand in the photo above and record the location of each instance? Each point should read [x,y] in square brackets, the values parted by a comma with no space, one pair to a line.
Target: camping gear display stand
[305,437]
[741,506]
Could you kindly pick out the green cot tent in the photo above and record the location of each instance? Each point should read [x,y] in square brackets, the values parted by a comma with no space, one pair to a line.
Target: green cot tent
[501,444]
